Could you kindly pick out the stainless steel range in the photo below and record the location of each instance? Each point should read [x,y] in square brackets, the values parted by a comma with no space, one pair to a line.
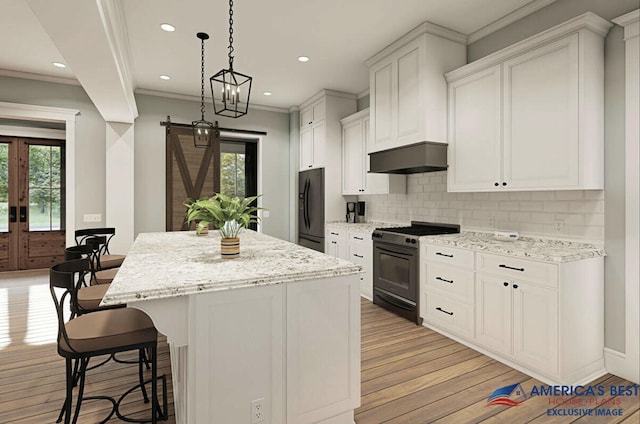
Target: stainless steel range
[396,266]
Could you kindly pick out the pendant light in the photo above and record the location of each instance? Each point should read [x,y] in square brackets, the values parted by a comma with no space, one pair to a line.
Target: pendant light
[203,131]
[230,89]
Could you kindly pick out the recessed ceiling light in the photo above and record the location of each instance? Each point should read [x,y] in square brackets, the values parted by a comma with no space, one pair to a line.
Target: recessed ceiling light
[59,64]
[168,27]
[303,58]
[165,77]
[267,93]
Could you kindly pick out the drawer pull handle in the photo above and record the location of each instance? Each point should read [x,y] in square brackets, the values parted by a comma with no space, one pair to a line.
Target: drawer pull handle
[334,234]
[505,284]
[510,267]
[358,238]
[515,286]
[334,242]
[446,281]
[358,256]
[443,311]
[445,255]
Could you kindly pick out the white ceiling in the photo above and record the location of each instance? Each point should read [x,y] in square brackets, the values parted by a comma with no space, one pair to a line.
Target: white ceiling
[338,36]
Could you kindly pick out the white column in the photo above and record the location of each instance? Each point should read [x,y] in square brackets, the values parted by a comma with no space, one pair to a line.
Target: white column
[120,185]
[629,366]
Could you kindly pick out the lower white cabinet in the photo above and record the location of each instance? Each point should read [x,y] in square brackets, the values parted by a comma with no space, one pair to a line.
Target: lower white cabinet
[353,245]
[545,319]
[336,243]
[360,249]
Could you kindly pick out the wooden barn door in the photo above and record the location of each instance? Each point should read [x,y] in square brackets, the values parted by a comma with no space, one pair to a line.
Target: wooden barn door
[191,173]
[32,203]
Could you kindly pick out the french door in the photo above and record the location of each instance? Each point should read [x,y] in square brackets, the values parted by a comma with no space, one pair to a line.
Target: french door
[32,212]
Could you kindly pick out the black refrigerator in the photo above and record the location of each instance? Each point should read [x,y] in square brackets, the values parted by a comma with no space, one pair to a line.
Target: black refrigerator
[311,209]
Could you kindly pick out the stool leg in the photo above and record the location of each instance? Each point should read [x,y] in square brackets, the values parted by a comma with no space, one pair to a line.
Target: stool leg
[141,376]
[154,385]
[66,408]
[83,369]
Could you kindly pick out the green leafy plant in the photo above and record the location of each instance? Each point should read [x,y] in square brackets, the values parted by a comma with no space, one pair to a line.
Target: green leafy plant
[228,214]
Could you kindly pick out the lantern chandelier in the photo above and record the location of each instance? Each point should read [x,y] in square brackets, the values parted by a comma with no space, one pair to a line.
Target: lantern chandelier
[203,131]
[230,89]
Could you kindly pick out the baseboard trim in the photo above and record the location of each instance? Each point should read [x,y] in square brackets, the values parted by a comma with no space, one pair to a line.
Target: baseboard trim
[616,363]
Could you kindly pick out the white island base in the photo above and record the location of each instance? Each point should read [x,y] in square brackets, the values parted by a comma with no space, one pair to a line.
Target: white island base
[294,347]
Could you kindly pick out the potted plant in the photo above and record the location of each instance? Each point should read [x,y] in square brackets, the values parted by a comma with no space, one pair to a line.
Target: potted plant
[228,214]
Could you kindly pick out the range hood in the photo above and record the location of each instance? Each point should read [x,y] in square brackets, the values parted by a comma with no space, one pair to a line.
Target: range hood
[426,156]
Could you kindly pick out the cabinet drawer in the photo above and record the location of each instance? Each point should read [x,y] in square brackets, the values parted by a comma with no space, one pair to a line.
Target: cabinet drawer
[359,252]
[362,238]
[517,268]
[450,255]
[335,233]
[454,316]
[454,281]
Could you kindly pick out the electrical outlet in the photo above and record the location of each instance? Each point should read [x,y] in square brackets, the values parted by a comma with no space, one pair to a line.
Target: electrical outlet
[558,224]
[265,214]
[257,411]
[92,217]
[492,222]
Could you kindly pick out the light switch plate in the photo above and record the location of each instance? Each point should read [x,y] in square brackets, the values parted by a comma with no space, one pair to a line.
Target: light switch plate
[92,217]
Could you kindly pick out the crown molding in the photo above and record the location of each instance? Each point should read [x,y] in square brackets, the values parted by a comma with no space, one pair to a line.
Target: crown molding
[423,28]
[587,21]
[191,98]
[326,92]
[355,116]
[508,19]
[631,24]
[37,112]
[38,77]
[293,109]
[363,93]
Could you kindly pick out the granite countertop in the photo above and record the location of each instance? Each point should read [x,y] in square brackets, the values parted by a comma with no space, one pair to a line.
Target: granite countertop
[362,227]
[546,250]
[162,265]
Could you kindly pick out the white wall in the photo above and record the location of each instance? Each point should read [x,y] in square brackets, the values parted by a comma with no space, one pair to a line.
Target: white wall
[150,160]
[90,137]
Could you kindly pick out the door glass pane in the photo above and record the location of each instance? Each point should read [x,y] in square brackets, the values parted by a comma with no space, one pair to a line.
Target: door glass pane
[232,174]
[4,187]
[44,188]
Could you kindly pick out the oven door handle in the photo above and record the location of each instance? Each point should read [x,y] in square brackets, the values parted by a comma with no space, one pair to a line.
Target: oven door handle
[393,252]
[392,300]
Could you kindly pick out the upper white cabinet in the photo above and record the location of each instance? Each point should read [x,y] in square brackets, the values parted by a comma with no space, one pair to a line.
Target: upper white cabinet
[530,117]
[408,95]
[356,178]
[320,127]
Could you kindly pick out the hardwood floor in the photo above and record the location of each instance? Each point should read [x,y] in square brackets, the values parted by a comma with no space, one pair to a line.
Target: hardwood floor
[410,374]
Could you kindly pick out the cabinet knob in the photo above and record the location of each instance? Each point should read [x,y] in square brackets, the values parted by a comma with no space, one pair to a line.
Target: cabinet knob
[496,184]
[504,183]
[505,284]
[310,122]
[309,166]
[515,286]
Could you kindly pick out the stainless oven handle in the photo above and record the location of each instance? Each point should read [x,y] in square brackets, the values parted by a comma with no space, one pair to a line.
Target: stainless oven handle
[393,252]
[389,298]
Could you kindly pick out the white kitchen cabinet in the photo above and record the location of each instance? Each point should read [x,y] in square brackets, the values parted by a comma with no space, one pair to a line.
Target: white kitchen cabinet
[543,318]
[474,153]
[446,289]
[356,179]
[336,243]
[540,123]
[313,113]
[407,92]
[360,251]
[320,144]
[312,147]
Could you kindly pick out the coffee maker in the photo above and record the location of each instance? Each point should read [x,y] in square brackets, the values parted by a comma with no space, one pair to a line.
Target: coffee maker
[351,212]
[360,212]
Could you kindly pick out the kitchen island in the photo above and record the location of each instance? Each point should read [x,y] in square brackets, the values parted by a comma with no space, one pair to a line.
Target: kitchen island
[276,330]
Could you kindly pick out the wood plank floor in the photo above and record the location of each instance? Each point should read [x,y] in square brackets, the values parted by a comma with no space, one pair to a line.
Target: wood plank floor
[410,374]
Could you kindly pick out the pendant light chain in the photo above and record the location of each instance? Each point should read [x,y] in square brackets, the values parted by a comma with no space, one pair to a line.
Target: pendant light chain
[231,34]
[202,79]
